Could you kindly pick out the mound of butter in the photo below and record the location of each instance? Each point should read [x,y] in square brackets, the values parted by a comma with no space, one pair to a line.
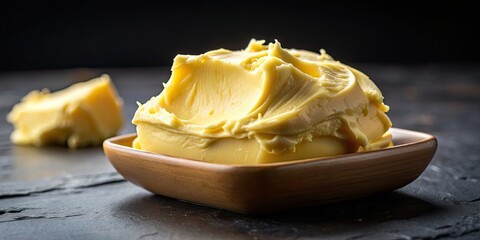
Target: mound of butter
[81,115]
[260,105]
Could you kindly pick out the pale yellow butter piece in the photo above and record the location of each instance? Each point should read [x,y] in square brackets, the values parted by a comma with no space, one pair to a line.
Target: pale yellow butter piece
[262,104]
[83,114]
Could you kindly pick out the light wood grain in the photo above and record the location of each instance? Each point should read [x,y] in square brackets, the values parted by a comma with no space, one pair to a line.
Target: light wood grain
[275,186]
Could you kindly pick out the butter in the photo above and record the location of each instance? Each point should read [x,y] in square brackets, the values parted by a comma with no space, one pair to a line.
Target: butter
[81,115]
[260,105]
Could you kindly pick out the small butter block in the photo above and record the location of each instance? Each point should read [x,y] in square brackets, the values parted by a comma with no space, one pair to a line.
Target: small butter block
[81,115]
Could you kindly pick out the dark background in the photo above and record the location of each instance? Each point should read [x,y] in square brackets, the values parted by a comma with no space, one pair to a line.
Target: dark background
[66,34]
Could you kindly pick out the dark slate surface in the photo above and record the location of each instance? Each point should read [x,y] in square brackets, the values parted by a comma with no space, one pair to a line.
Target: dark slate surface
[56,193]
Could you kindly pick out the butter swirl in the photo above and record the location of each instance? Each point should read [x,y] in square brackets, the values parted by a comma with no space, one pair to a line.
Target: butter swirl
[291,103]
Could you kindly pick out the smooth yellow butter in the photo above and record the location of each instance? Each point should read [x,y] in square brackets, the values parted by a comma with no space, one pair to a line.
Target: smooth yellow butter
[262,104]
[83,114]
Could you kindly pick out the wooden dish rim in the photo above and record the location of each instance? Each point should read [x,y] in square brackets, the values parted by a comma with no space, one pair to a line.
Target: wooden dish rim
[112,144]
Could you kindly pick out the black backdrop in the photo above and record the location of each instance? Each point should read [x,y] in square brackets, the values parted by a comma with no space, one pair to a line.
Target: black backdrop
[61,34]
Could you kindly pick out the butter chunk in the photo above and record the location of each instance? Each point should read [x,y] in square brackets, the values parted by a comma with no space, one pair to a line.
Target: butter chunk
[81,115]
[262,104]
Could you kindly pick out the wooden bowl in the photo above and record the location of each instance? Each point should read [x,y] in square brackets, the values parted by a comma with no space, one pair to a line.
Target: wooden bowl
[275,186]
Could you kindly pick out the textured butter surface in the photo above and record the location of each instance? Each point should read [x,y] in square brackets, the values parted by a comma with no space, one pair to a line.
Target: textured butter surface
[262,104]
